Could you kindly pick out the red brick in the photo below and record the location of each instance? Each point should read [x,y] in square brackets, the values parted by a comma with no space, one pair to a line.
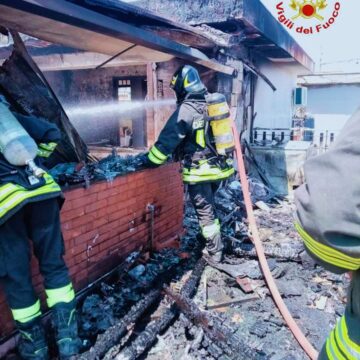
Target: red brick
[85,238]
[84,220]
[74,193]
[121,202]
[118,215]
[75,250]
[87,199]
[72,214]
[67,206]
[101,220]
[97,205]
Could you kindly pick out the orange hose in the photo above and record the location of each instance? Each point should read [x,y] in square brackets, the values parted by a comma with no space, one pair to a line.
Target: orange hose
[293,326]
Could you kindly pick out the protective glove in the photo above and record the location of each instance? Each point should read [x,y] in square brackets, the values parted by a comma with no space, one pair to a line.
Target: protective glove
[143,161]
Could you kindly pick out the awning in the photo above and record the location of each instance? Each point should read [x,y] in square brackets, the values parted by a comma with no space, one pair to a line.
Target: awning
[61,22]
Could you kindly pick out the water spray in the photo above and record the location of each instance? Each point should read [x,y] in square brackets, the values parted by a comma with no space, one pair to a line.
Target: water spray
[115,107]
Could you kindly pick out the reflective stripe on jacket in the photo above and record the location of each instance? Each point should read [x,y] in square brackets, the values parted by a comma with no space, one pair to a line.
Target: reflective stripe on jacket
[13,196]
[16,189]
[184,136]
[206,173]
[343,342]
[328,220]
[328,213]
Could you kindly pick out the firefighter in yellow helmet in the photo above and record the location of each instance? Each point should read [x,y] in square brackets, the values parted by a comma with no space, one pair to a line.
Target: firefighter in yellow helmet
[189,136]
[328,220]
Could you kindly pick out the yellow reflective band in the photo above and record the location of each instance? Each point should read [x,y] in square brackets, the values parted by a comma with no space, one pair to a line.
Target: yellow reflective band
[187,83]
[156,152]
[200,137]
[336,353]
[20,194]
[27,314]
[354,348]
[197,178]
[65,294]
[339,335]
[330,259]
[6,189]
[49,146]
[154,159]
[43,153]
[206,173]
[327,253]
[173,81]
[211,230]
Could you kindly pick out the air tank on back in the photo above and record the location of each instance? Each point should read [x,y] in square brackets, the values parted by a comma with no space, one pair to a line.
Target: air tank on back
[220,123]
[16,145]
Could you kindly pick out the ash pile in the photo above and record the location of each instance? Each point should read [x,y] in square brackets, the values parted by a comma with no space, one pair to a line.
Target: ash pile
[67,174]
[174,305]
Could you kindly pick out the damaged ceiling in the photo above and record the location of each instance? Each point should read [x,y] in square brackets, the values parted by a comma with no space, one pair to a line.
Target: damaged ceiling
[248,19]
[66,23]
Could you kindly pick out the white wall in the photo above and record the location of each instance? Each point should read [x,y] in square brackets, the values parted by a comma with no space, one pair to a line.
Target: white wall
[274,109]
[331,106]
[334,99]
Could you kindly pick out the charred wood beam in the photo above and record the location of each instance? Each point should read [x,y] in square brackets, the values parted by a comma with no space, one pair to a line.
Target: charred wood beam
[107,344]
[113,335]
[184,37]
[258,73]
[223,337]
[272,251]
[115,56]
[147,338]
[206,37]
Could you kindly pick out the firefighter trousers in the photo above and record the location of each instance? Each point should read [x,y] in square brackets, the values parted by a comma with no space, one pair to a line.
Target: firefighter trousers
[343,342]
[202,196]
[39,222]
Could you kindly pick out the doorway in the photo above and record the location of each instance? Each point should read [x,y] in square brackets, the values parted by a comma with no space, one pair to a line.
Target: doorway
[132,123]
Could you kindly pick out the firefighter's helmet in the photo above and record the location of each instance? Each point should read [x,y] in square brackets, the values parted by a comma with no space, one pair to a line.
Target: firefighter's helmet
[186,80]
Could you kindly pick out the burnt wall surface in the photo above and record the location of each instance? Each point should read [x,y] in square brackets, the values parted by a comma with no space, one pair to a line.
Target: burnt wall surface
[194,11]
[164,73]
[103,224]
[84,88]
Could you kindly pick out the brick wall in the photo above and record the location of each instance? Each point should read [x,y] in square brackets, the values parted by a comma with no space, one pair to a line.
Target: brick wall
[103,224]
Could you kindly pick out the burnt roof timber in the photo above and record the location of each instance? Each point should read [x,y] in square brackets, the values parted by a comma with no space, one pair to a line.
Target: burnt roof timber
[257,17]
[147,19]
[247,17]
[72,25]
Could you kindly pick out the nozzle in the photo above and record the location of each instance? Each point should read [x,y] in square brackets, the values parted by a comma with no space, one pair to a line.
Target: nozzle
[37,171]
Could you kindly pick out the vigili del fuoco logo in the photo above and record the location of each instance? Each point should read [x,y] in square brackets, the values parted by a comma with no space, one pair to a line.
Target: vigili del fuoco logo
[308,16]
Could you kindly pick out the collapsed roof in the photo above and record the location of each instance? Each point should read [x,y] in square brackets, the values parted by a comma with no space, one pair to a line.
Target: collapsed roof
[249,21]
[66,23]
[112,27]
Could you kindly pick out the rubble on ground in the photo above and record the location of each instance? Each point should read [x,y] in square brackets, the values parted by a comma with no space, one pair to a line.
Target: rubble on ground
[315,297]
[105,169]
[131,317]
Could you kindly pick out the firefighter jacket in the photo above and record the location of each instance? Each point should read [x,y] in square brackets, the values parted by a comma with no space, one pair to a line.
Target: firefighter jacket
[185,135]
[17,185]
[328,220]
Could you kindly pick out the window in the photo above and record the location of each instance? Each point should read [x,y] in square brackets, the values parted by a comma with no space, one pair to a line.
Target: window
[124,90]
[160,89]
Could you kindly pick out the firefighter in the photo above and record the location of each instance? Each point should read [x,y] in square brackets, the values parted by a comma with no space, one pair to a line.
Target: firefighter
[29,209]
[328,220]
[186,135]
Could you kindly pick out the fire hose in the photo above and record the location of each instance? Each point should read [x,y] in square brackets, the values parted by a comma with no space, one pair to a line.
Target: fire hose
[291,323]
